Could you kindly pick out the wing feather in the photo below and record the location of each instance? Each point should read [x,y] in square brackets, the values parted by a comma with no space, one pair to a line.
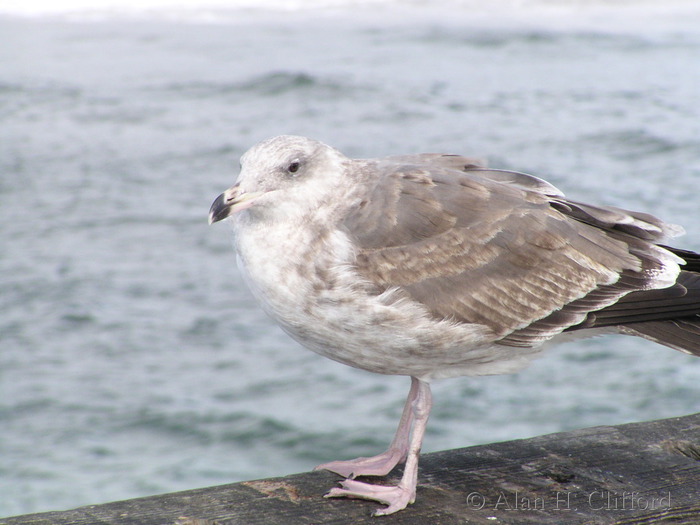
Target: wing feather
[499,248]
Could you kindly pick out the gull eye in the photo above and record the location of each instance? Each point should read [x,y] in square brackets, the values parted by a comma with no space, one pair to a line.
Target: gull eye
[294,166]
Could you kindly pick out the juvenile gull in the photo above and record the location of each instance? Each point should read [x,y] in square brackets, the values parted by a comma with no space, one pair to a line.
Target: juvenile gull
[432,266]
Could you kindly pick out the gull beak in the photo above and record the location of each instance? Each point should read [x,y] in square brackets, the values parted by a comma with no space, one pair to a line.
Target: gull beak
[229,202]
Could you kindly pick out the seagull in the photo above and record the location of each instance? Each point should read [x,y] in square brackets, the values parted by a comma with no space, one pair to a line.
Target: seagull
[433,266]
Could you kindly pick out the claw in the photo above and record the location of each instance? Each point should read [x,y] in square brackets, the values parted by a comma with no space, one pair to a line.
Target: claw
[397,498]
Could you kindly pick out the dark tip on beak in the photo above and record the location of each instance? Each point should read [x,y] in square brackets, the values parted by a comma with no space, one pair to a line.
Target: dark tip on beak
[220,209]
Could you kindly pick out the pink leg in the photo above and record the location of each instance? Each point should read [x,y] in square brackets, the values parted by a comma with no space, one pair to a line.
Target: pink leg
[404,493]
[383,463]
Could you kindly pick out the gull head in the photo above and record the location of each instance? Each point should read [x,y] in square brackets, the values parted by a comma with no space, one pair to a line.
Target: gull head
[281,177]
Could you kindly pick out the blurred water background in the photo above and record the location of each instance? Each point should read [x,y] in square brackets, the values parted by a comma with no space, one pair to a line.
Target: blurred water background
[133,361]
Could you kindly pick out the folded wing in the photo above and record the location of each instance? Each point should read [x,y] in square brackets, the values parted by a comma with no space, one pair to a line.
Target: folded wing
[509,251]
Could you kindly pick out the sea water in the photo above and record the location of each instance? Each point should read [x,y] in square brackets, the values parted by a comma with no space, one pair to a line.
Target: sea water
[134,361]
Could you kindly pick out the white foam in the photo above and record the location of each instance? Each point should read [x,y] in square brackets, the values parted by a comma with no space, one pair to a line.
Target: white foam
[491,10]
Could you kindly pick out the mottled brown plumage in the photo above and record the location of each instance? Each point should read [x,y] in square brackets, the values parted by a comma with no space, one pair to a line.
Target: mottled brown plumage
[434,266]
[509,251]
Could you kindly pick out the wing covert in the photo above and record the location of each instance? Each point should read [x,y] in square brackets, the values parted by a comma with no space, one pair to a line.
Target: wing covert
[498,248]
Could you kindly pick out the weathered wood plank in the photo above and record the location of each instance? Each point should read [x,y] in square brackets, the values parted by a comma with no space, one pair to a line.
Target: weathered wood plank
[628,474]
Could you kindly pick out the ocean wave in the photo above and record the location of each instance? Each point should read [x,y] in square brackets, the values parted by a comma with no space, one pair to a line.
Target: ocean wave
[268,84]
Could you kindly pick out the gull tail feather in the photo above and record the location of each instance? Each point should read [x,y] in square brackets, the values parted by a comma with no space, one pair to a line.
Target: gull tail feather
[681,329]
[681,334]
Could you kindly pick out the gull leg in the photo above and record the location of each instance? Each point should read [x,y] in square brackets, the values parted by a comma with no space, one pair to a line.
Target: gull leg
[383,463]
[404,493]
